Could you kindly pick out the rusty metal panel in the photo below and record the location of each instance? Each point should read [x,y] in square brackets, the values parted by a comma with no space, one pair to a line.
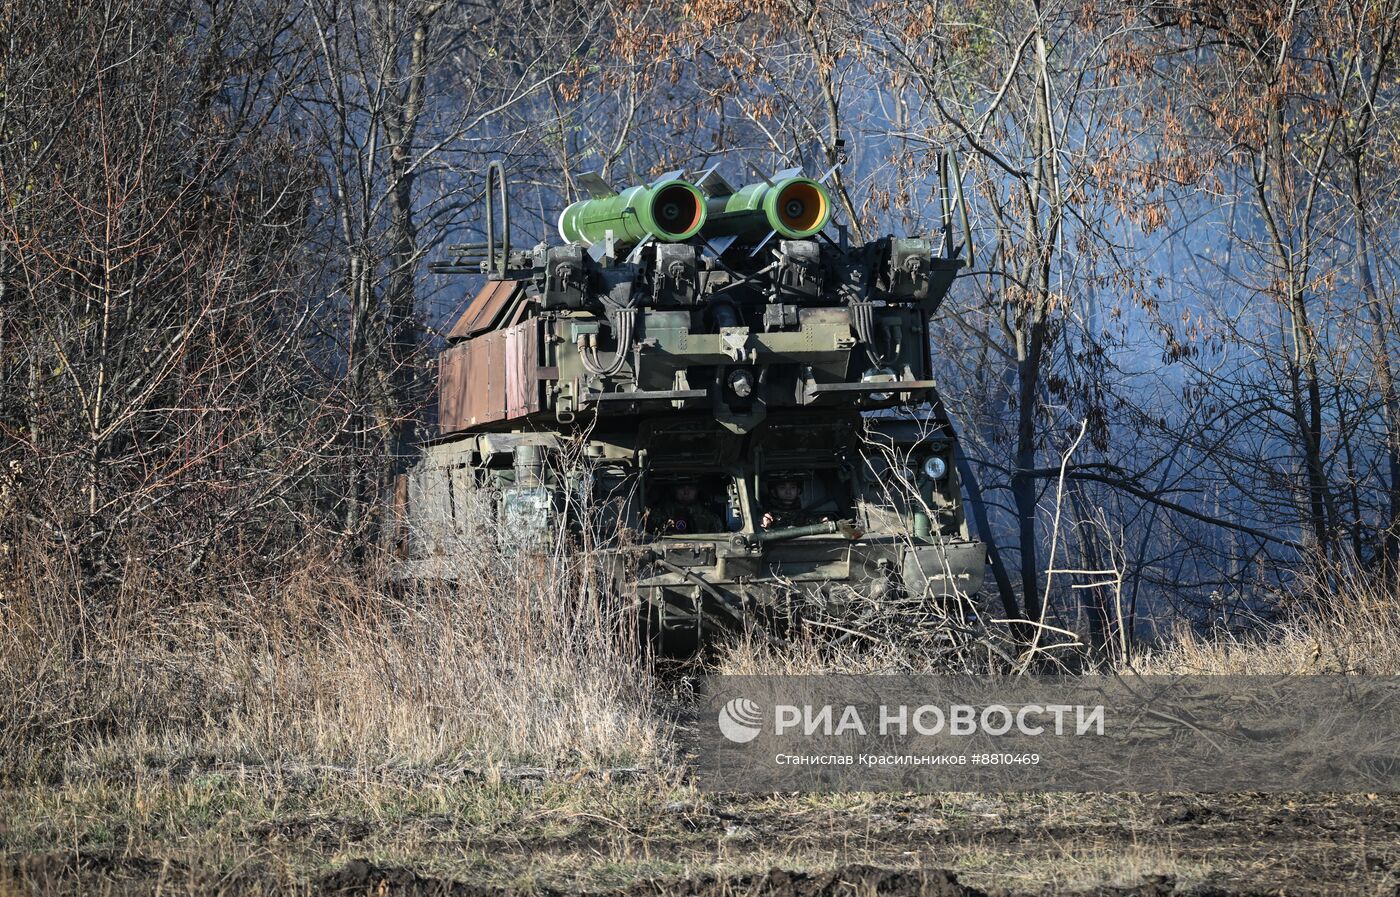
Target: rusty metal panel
[452,380]
[509,373]
[483,311]
[489,378]
[488,390]
[446,388]
[522,370]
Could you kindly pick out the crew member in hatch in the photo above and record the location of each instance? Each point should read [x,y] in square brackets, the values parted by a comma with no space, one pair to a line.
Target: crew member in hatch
[684,513]
[783,506]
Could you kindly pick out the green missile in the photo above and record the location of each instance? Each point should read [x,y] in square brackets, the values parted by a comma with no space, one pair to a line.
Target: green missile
[669,210]
[794,207]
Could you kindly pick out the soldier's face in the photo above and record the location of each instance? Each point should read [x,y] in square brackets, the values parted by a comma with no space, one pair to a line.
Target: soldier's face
[787,493]
[686,494]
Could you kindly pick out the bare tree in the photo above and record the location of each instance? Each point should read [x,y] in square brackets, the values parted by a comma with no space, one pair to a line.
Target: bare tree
[166,412]
[399,92]
[1286,100]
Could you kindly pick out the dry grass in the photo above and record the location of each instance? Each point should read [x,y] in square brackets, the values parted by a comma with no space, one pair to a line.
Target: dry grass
[508,667]
[1350,626]
[279,731]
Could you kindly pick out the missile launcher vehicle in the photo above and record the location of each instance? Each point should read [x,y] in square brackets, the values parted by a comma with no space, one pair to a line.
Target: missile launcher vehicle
[733,403]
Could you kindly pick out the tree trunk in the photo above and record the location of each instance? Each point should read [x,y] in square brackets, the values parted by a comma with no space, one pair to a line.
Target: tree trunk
[1389,547]
[403,324]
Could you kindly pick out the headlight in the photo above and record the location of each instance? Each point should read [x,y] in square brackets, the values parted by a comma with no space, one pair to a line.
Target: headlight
[935,468]
[879,375]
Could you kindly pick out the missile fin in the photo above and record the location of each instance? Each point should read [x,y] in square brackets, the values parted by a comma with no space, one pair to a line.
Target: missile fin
[668,176]
[635,255]
[718,245]
[829,172]
[763,177]
[593,184]
[787,173]
[762,243]
[712,183]
[597,251]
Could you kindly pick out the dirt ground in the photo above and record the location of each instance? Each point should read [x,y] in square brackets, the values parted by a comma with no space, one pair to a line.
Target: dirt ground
[234,833]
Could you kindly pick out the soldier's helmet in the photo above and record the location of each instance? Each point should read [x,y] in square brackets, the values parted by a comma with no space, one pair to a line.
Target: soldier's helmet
[781,497]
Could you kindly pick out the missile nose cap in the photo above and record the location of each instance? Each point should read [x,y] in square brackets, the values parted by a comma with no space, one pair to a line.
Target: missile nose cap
[803,208]
[678,211]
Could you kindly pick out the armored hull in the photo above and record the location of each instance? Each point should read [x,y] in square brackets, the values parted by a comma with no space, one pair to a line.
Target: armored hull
[744,427]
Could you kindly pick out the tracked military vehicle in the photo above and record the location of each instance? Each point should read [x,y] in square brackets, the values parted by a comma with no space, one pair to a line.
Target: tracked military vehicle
[647,380]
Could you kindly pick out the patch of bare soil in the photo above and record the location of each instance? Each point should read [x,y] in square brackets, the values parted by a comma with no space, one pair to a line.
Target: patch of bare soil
[362,878]
[52,874]
[1168,846]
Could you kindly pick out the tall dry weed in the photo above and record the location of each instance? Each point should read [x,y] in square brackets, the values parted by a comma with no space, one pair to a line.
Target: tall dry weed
[1349,624]
[327,666]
